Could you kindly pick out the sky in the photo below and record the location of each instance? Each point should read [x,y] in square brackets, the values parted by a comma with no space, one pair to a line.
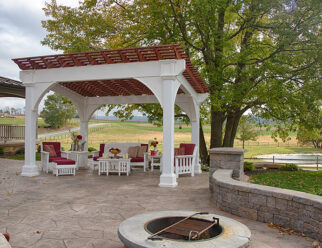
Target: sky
[20,36]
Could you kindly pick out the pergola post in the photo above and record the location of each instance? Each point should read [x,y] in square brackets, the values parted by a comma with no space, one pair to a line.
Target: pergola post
[84,132]
[30,168]
[195,140]
[169,91]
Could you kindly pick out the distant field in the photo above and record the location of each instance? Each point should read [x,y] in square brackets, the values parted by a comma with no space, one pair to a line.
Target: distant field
[117,131]
[143,132]
[41,124]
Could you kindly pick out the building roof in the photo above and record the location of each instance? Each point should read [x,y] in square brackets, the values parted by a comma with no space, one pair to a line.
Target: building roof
[126,55]
[11,88]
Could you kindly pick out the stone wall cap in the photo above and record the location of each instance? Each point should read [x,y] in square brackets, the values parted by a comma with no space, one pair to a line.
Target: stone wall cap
[226,150]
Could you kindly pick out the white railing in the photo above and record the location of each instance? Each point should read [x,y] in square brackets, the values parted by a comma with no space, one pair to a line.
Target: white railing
[12,132]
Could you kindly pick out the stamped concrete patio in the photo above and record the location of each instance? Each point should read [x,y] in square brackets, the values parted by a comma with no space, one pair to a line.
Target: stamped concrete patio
[86,210]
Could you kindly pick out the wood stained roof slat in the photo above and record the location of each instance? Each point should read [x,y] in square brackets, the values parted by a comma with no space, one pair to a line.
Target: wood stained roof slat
[125,55]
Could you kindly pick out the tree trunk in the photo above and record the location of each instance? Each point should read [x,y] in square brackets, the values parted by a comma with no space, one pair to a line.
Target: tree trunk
[217,121]
[228,129]
[231,129]
[234,130]
[203,151]
[243,144]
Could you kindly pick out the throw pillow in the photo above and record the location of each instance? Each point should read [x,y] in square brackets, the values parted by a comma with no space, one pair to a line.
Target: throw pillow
[181,151]
[133,151]
[178,151]
[141,151]
[51,150]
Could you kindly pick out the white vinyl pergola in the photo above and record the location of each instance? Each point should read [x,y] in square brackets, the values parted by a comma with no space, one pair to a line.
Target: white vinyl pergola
[161,74]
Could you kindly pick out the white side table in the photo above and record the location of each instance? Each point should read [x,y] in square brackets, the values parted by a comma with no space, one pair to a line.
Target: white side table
[156,161]
[80,156]
[119,165]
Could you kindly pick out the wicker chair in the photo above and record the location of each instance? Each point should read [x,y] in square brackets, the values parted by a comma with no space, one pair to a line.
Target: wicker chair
[55,160]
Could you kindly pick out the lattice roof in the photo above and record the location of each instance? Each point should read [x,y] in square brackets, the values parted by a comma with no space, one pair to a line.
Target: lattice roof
[126,55]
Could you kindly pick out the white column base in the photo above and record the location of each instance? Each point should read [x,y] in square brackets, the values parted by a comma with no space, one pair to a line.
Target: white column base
[198,169]
[30,171]
[168,180]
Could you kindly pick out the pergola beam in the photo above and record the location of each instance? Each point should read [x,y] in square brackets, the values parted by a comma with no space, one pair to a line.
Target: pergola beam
[101,72]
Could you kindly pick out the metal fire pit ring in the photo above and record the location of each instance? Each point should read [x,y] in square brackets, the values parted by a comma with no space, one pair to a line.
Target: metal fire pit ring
[133,234]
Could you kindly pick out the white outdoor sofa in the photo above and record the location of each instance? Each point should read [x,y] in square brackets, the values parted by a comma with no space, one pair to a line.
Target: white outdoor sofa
[104,149]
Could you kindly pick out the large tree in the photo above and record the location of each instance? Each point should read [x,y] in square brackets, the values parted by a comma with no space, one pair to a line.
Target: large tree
[58,110]
[253,54]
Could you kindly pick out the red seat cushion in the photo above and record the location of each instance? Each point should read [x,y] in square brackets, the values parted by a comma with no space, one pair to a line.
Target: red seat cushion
[53,159]
[56,146]
[65,162]
[135,160]
[96,157]
[102,146]
[188,148]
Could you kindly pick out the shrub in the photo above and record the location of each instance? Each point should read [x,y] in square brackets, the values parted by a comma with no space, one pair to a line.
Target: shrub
[289,167]
[90,149]
[39,148]
[20,151]
[204,167]
[317,190]
[1,150]
[249,166]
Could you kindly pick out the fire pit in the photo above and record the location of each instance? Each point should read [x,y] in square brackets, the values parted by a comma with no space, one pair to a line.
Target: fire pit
[178,229]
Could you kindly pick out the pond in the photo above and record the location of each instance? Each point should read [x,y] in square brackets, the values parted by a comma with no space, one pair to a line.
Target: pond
[297,158]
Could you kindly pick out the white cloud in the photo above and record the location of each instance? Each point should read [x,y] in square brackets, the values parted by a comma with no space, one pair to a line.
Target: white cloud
[20,36]
[12,102]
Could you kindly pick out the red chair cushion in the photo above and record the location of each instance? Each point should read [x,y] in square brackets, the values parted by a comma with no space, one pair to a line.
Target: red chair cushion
[134,160]
[56,146]
[188,148]
[95,158]
[102,146]
[65,162]
[53,159]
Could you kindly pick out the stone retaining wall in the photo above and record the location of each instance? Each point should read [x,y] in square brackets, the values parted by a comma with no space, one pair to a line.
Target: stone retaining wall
[297,210]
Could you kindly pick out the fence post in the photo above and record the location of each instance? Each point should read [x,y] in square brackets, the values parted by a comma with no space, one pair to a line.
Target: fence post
[317,163]
[273,160]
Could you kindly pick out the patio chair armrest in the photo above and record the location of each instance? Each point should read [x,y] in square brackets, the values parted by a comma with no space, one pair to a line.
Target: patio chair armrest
[146,156]
[95,153]
[64,154]
[44,156]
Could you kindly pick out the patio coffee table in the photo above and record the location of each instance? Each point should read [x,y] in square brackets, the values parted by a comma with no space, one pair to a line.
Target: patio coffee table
[120,165]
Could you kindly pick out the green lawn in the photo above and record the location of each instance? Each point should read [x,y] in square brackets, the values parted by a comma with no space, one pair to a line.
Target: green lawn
[22,157]
[305,181]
